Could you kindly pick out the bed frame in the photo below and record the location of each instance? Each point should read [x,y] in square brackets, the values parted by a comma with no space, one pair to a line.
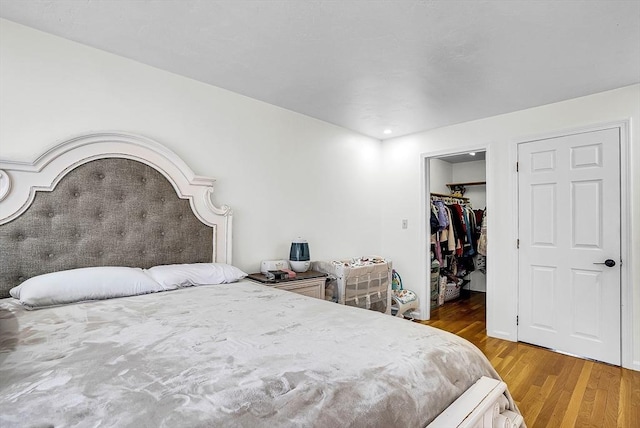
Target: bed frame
[104,198]
[107,199]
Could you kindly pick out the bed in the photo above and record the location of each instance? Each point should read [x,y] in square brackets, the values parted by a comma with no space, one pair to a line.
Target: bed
[220,352]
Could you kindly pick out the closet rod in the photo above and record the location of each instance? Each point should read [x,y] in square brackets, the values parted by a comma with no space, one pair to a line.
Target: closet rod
[442,195]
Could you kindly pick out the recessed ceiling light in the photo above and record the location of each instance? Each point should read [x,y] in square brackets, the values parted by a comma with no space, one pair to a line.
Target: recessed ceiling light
[472,153]
[387,131]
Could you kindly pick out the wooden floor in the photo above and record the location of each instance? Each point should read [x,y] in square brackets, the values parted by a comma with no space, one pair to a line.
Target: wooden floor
[551,389]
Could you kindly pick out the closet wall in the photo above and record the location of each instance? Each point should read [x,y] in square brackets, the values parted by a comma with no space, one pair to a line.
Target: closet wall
[440,173]
[470,172]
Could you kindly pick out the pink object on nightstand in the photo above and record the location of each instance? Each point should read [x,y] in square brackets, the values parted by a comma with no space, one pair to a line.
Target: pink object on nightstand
[291,273]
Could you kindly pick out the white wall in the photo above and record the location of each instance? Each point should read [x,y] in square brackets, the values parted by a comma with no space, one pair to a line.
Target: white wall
[473,171]
[500,134]
[440,173]
[284,174]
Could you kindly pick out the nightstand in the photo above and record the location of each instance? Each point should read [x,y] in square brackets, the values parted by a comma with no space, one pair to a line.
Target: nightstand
[309,283]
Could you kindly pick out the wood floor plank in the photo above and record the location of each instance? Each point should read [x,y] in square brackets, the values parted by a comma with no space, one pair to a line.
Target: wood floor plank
[629,407]
[550,398]
[612,391]
[571,414]
[550,389]
[559,407]
[538,401]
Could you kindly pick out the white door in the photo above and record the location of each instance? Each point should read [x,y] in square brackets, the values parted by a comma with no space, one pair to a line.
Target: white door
[569,227]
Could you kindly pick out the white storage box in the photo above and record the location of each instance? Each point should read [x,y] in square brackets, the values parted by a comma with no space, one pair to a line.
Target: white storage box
[363,282]
[452,291]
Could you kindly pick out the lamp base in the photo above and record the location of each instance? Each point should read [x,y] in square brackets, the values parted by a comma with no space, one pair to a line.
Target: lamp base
[300,266]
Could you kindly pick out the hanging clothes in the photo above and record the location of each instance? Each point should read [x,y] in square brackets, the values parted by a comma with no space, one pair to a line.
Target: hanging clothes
[450,233]
[455,233]
[481,260]
[460,243]
[482,240]
[434,223]
[443,218]
[469,247]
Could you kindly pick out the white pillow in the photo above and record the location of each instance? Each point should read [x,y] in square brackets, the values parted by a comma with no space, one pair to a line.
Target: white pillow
[77,285]
[186,275]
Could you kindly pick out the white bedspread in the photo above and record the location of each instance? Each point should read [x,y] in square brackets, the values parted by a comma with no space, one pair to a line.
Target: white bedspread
[228,355]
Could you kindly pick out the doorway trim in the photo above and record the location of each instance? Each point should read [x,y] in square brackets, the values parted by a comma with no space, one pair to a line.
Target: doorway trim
[626,290]
[425,227]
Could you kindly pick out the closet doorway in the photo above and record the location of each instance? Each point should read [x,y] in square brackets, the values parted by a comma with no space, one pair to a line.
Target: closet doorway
[455,205]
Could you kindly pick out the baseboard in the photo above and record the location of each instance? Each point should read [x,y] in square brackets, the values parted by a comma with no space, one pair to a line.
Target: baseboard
[635,366]
[416,314]
[504,335]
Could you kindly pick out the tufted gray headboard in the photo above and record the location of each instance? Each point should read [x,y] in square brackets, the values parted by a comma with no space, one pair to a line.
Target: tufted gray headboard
[112,211]
[107,212]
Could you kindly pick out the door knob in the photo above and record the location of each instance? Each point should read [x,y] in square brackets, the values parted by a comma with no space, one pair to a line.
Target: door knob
[607,263]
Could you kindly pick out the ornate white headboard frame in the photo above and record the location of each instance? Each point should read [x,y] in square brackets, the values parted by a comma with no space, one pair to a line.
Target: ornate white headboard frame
[19,181]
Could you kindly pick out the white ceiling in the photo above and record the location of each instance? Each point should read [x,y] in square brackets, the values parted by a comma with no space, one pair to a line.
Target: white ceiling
[367,65]
[464,157]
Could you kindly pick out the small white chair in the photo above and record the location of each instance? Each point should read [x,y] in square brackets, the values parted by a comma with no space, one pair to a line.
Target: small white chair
[402,300]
